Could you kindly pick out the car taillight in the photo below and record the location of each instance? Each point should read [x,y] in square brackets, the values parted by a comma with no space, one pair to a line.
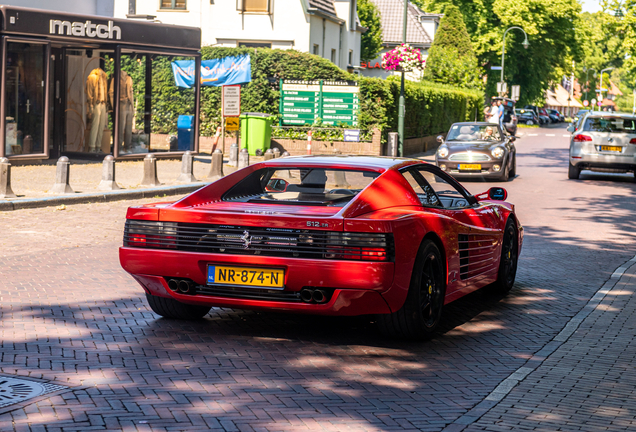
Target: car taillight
[150,234]
[581,138]
[359,246]
[632,141]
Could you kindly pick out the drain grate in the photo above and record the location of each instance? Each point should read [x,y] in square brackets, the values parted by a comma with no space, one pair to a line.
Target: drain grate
[16,390]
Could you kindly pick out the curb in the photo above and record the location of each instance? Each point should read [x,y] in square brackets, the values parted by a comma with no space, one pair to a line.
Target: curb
[93,197]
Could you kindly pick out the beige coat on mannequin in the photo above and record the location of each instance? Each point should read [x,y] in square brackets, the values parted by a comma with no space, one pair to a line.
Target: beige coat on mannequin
[126,109]
[96,88]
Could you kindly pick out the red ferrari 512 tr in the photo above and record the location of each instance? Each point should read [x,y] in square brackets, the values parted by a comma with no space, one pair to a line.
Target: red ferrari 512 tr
[338,235]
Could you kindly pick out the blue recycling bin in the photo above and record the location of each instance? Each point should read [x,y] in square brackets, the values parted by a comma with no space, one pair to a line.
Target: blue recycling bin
[185,135]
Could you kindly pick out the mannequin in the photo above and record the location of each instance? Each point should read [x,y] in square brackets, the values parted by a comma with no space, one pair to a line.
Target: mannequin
[126,110]
[96,103]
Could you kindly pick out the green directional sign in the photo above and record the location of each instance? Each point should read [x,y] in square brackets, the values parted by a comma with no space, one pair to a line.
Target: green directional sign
[335,102]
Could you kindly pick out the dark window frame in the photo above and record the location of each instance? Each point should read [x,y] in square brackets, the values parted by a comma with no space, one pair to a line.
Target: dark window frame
[173,5]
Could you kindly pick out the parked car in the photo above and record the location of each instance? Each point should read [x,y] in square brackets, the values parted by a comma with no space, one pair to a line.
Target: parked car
[527,116]
[477,149]
[542,116]
[603,143]
[510,119]
[398,238]
[559,117]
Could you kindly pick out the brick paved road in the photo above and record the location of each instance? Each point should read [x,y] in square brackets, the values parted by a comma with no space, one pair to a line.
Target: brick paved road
[71,316]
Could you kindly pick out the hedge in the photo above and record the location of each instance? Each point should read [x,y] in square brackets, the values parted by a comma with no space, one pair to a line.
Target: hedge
[430,108]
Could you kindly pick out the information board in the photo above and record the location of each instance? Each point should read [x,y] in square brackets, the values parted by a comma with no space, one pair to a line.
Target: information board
[303,102]
[231,98]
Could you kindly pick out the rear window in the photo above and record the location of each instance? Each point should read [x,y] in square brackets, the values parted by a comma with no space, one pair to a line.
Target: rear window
[610,124]
[301,186]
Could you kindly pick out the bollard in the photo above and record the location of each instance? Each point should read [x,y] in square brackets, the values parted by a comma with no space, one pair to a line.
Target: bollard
[150,171]
[216,167]
[243,159]
[285,154]
[62,172]
[309,142]
[234,152]
[108,175]
[269,154]
[187,165]
[276,152]
[5,179]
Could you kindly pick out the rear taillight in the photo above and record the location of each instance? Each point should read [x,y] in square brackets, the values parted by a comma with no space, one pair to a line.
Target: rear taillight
[150,234]
[581,138]
[632,141]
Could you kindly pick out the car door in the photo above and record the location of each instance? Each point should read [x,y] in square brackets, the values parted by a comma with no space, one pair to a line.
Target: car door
[473,237]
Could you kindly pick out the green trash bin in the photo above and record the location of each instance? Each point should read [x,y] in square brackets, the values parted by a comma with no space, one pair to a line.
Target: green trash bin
[256,132]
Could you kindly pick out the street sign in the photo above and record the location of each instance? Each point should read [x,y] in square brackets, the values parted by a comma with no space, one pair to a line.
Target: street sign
[231,123]
[593,101]
[335,102]
[231,100]
[495,67]
[352,135]
[515,90]
[585,103]
[502,87]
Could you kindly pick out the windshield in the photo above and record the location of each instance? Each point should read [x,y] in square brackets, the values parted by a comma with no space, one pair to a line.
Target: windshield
[301,186]
[610,124]
[474,133]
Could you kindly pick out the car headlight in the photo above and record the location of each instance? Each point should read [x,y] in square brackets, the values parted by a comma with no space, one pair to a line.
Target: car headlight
[442,152]
[497,152]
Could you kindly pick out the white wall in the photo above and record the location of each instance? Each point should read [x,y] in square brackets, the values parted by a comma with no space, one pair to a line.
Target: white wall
[86,7]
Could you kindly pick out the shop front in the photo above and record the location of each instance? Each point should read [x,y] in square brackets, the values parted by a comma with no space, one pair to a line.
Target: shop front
[87,86]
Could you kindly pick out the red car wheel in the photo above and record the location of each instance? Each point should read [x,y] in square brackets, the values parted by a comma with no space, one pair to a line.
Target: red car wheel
[170,308]
[419,316]
[508,263]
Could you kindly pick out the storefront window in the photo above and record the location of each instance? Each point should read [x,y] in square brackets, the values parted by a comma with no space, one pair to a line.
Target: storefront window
[154,113]
[88,110]
[24,95]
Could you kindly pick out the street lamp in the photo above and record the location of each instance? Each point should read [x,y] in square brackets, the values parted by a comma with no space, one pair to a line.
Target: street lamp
[525,44]
[601,91]
[587,80]
[401,105]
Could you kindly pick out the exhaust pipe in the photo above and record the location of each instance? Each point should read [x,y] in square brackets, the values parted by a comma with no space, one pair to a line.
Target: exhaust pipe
[319,296]
[185,286]
[173,284]
[306,295]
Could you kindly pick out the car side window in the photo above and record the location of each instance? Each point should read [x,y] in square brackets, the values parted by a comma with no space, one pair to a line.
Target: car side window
[447,193]
[424,192]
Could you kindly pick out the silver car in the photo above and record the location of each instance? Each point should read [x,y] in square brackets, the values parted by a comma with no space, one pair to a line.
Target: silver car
[603,142]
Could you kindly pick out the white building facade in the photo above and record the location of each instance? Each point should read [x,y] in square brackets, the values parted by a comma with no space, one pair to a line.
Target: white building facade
[328,28]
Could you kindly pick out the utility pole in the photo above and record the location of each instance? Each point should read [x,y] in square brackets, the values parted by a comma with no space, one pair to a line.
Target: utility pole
[571,89]
[401,105]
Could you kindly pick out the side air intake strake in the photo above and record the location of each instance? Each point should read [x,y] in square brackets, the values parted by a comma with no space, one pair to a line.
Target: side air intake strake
[279,242]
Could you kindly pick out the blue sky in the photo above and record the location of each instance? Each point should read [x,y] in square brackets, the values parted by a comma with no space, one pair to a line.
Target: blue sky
[591,5]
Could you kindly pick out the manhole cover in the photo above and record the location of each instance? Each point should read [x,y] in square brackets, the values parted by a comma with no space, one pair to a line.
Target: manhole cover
[15,390]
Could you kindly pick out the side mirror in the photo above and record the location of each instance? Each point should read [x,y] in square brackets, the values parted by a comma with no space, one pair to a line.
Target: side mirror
[494,194]
[440,139]
[571,128]
[276,185]
[512,138]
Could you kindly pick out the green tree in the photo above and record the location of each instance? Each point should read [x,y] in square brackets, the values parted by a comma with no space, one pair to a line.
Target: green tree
[451,59]
[551,27]
[371,40]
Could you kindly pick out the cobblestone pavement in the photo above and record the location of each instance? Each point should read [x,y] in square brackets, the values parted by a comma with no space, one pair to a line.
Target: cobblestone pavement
[72,317]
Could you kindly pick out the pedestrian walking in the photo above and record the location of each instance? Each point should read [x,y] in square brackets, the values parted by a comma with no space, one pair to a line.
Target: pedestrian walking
[493,117]
[501,113]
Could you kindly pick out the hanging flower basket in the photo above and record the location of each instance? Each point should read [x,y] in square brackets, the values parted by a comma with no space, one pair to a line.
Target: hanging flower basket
[403,58]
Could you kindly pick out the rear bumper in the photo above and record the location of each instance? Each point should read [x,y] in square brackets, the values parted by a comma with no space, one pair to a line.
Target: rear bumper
[356,286]
[602,162]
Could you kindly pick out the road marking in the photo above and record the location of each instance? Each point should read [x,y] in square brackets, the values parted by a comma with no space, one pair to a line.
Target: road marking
[533,134]
[550,135]
[566,135]
[506,386]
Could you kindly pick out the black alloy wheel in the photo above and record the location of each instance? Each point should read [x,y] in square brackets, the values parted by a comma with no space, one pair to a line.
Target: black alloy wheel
[420,315]
[513,170]
[508,262]
[170,308]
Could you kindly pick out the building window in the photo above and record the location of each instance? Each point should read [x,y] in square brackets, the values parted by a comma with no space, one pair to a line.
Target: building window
[333,56]
[255,44]
[255,6]
[173,4]
[350,57]
[132,7]
[316,49]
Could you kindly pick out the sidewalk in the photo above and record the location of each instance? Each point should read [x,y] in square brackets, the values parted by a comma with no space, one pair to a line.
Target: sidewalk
[31,182]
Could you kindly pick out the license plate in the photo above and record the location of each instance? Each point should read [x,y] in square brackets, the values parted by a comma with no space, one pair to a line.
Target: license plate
[246,276]
[611,148]
[469,167]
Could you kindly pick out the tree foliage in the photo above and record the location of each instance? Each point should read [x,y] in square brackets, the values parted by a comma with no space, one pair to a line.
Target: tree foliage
[371,42]
[451,59]
[551,27]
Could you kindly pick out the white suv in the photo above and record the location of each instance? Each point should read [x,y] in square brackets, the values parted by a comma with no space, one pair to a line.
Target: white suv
[603,142]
